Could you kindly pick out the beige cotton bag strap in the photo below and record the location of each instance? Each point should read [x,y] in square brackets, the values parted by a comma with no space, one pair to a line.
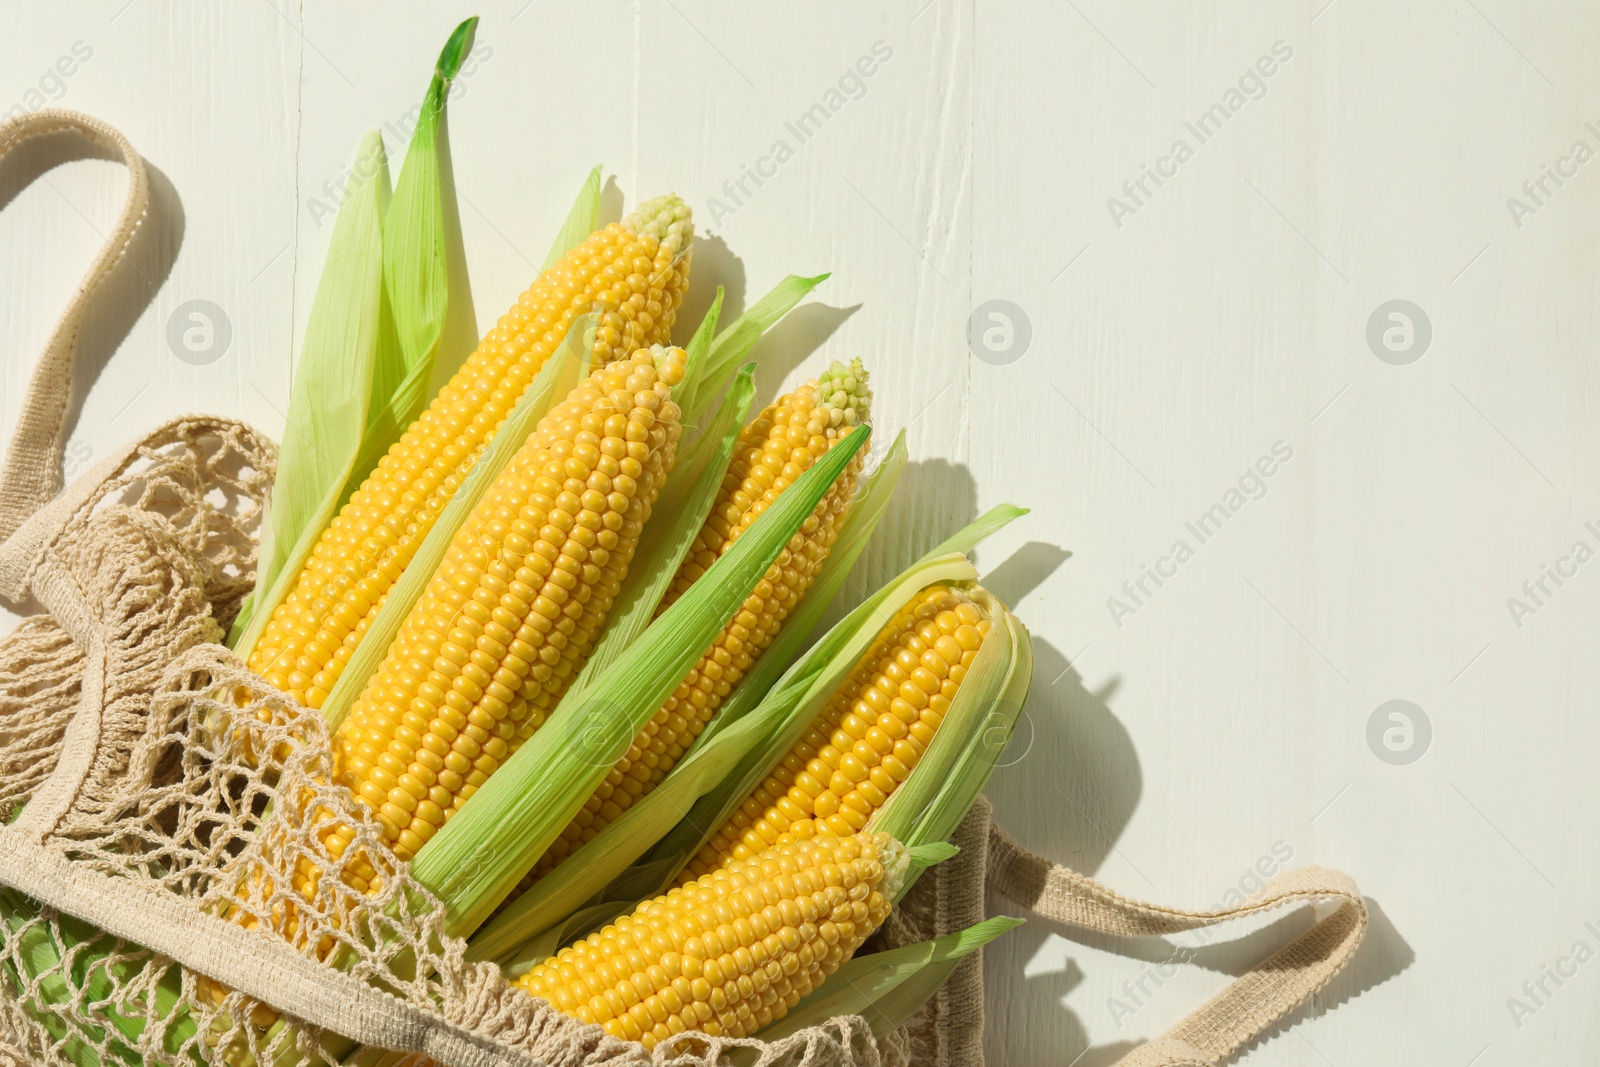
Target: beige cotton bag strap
[31,513]
[31,475]
[1248,1006]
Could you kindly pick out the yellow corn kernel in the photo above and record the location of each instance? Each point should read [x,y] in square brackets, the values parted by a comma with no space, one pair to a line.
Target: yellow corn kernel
[517,604]
[773,451]
[731,952]
[634,272]
[866,740]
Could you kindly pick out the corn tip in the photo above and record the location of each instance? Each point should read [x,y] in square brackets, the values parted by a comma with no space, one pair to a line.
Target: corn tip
[896,860]
[670,363]
[843,393]
[661,217]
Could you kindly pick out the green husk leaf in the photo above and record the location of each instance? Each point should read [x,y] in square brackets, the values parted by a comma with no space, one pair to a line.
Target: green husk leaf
[328,404]
[699,350]
[582,220]
[415,275]
[591,868]
[980,529]
[895,1008]
[730,347]
[887,988]
[358,388]
[565,368]
[247,609]
[89,976]
[480,854]
[681,509]
[932,852]
[574,926]
[795,698]
[952,772]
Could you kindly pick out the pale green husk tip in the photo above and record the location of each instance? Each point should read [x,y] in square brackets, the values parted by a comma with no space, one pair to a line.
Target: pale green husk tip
[661,216]
[668,362]
[896,860]
[842,392]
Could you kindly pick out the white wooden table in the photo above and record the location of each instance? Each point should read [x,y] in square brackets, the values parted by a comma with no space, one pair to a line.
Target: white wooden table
[1232,309]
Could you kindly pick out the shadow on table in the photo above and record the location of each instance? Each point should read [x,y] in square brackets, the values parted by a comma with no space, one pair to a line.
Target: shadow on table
[795,336]
[612,203]
[714,264]
[1072,768]
[1071,750]
[933,500]
[1024,571]
[1071,757]
[783,347]
[1383,954]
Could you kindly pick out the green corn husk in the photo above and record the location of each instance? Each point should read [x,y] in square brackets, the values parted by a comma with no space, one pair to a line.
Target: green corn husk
[581,221]
[886,988]
[515,937]
[415,277]
[332,389]
[730,347]
[698,350]
[369,346]
[931,803]
[73,975]
[481,853]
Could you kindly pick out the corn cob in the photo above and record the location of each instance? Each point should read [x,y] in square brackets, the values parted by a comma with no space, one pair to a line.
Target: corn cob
[774,450]
[732,951]
[866,740]
[509,618]
[635,272]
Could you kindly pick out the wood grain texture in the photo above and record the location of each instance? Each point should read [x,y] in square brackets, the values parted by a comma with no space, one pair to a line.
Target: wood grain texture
[1208,727]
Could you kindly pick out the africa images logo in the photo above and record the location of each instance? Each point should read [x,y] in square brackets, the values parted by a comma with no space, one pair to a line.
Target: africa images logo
[852,85]
[1252,485]
[1252,85]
